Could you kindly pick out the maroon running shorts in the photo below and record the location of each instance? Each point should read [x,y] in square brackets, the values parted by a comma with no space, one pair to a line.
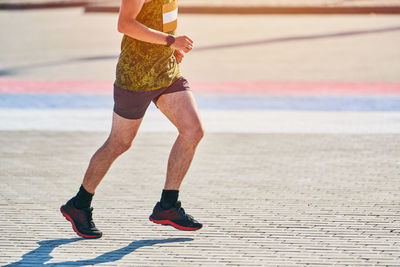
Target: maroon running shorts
[133,105]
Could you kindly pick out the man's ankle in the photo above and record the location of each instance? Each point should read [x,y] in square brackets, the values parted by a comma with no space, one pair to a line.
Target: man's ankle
[83,198]
[169,198]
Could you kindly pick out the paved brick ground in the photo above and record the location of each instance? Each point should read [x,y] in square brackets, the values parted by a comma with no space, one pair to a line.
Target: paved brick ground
[265,200]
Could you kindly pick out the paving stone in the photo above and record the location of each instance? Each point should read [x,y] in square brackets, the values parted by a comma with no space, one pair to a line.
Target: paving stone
[253,215]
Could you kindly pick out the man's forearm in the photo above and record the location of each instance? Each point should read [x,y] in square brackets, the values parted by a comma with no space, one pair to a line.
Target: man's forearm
[141,32]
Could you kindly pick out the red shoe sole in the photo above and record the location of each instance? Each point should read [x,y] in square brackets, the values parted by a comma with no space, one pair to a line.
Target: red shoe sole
[74,227]
[168,222]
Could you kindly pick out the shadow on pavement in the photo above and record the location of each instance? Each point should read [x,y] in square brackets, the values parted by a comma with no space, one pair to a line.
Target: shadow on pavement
[41,255]
[298,38]
[14,70]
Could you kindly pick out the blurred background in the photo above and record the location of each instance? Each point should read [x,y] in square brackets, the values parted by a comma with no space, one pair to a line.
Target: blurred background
[253,54]
[327,55]
[69,44]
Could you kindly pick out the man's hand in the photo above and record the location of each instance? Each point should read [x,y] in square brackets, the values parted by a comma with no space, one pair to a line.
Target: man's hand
[179,55]
[183,43]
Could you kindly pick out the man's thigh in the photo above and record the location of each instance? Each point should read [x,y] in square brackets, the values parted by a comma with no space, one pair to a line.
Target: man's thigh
[180,108]
[123,130]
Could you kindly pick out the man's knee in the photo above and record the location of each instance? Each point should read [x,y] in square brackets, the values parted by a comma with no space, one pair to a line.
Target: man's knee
[193,134]
[117,147]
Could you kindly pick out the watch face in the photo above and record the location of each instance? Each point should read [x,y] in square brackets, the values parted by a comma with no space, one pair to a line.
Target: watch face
[170,40]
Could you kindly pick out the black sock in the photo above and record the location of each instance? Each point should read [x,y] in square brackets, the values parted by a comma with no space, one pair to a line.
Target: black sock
[169,198]
[83,199]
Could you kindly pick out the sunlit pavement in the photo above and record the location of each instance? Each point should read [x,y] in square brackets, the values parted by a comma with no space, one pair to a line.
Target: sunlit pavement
[299,164]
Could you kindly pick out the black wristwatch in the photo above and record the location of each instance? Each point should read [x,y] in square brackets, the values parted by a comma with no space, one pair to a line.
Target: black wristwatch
[170,40]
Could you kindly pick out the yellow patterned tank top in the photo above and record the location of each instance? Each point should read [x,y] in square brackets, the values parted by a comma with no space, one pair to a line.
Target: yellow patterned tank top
[144,66]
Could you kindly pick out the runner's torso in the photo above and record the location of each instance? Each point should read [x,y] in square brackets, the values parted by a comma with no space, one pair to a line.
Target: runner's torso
[145,66]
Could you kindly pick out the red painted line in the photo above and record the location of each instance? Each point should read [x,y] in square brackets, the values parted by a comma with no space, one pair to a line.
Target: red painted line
[261,87]
[300,88]
[74,227]
[168,222]
[56,87]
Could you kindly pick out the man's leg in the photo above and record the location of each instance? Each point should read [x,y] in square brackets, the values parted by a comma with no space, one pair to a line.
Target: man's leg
[180,108]
[77,210]
[122,134]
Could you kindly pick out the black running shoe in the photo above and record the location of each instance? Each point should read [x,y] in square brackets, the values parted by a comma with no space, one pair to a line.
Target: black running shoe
[175,217]
[81,220]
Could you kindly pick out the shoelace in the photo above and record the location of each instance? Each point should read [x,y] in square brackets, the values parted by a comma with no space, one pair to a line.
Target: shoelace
[182,211]
[89,217]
